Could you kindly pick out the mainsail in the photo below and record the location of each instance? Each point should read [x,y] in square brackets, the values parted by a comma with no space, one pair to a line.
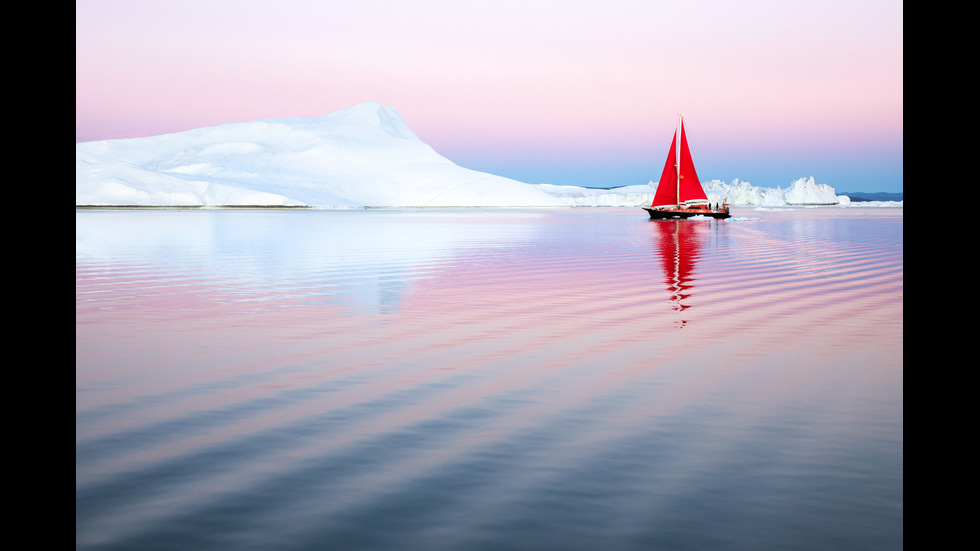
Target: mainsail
[673,188]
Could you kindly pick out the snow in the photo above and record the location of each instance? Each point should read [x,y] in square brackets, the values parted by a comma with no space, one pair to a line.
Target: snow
[364,156]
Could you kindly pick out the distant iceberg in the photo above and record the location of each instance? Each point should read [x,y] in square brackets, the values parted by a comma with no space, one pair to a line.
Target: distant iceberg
[364,156]
[803,191]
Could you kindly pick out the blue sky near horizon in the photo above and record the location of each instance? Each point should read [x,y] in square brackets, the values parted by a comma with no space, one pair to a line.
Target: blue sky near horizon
[564,92]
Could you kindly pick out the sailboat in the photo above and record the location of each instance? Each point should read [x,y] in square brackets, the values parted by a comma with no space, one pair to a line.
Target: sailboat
[679,193]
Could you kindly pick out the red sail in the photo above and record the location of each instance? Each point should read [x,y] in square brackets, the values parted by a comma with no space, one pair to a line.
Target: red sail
[690,186]
[667,187]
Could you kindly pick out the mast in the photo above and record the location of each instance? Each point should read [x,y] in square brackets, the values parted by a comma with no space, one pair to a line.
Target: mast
[677,156]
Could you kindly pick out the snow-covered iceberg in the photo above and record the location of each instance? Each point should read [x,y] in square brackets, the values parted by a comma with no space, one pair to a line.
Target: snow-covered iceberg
[803,191]
[364,156]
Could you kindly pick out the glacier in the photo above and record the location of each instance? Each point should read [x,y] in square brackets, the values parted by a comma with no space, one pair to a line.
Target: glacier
[363,156]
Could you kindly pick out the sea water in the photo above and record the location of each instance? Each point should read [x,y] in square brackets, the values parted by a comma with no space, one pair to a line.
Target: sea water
[488,379]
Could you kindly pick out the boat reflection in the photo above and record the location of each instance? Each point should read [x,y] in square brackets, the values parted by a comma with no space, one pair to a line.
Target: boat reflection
[679,245]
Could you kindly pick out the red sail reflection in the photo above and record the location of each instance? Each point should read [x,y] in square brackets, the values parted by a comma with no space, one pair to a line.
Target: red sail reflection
[679,246]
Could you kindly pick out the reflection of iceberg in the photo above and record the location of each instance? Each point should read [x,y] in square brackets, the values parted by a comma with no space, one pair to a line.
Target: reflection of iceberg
[679,247]
[269,258]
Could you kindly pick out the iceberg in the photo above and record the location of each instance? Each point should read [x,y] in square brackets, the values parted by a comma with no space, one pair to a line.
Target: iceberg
[363,156]
[803,191]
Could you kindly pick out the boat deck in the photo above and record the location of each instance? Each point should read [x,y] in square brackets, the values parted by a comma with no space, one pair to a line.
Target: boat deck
[682,212]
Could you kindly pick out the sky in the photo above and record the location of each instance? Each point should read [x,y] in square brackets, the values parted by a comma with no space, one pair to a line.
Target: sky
[543,91]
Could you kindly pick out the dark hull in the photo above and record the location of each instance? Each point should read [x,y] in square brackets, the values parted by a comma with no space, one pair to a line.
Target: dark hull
[664,214]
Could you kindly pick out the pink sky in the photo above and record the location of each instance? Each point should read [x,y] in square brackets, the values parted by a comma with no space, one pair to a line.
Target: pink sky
[537,90]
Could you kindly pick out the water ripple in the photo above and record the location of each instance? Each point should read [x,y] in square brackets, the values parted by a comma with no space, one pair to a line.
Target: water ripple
[567,379]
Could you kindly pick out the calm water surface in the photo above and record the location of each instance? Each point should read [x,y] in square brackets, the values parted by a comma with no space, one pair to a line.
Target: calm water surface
[488,379]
